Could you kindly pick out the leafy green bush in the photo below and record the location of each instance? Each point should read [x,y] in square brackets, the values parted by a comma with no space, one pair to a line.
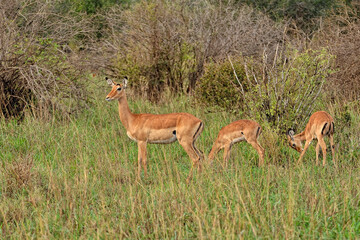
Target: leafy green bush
[220,86]
[89,6]
[283,93]
[287,91]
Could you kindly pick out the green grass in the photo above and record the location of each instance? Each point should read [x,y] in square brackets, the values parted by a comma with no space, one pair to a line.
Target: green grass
[77,179]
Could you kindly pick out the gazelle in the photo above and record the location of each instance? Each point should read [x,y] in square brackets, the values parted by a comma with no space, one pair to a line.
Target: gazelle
[320,124]
[157,128]
[241,130]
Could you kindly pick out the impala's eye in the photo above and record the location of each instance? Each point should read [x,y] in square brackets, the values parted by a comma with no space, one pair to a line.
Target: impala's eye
[119,88]
[293,145]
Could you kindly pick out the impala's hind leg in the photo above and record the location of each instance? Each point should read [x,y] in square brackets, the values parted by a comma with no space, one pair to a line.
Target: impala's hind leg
[200,157]
[189,149]
[259,149]
[317,149]
[323,148]
[332,146]
[187,139]
[196,135]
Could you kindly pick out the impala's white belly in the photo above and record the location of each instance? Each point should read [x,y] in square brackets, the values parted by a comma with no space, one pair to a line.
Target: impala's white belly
[164,141]
[238,139]
[162,136]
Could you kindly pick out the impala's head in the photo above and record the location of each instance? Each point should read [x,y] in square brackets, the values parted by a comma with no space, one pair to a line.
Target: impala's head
[294,142]
[117,90]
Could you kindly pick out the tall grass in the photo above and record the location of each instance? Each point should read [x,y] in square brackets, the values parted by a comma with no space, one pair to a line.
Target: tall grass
[76,179]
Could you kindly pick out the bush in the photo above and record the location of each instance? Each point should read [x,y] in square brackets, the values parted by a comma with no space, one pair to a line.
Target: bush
[219,86]
[283,93]
[286,92]
[35,71]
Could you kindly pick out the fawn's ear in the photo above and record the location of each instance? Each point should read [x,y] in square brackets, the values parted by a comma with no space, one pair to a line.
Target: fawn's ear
[125,81]
[109,81]
[291,134]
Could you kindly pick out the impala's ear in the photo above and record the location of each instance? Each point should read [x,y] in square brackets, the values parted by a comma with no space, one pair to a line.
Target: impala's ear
[109,81]
[125,81]
[291,134]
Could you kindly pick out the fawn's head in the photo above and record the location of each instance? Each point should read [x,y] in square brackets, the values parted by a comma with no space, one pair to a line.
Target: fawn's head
[293,141]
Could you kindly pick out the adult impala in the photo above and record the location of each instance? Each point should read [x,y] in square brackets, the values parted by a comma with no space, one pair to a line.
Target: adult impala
[320,124]
[157,128]
[241,130]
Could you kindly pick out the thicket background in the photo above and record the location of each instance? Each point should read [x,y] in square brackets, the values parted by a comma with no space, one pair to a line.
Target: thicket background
[273,61]
[224,53]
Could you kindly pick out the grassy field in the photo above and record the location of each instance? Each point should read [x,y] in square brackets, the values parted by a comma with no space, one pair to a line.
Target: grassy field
[77,179]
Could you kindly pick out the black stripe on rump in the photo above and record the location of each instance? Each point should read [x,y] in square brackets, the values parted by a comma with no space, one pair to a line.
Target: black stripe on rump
[198,151]
[197,131]
[258,132]
[322,131]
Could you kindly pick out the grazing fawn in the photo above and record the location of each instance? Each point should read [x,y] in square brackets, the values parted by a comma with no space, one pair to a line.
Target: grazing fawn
[241,130]
[320,124]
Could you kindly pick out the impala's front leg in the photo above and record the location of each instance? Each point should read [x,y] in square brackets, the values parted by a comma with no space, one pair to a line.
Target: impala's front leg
[307,144]
[142,157]
[317,149]
[214,150]
[227,150]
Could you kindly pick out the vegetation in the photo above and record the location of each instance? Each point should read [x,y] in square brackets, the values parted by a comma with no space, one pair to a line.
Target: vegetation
[78,179]
[68,169]
[279,93]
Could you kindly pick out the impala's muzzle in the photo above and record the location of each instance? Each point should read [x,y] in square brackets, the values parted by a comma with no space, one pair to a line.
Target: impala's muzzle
[108,99]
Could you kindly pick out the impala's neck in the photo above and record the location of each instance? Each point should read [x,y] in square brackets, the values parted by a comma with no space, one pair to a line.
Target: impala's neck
[300,136]
[126,116]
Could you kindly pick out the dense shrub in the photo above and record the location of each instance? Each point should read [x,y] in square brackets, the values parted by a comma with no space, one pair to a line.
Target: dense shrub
[283,93]
[35,71]
[223,84]
[286,92]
